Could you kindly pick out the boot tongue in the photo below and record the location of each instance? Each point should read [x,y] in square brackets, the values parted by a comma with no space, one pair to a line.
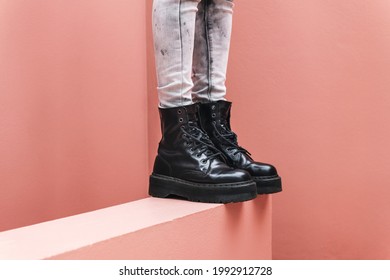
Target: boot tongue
[224,112]
[224,109]
[191,113]
[194,124]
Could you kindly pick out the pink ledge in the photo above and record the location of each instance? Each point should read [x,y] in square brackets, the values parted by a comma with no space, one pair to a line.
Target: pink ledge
[149,228]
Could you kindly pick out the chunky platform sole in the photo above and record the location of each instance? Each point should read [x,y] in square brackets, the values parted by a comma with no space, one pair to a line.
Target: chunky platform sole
[268,184]
[165,186]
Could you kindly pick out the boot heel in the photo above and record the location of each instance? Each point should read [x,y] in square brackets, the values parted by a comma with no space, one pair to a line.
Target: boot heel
[157,187]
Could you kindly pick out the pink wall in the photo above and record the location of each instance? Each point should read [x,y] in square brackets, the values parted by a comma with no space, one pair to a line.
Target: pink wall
[312,80]
[72,107]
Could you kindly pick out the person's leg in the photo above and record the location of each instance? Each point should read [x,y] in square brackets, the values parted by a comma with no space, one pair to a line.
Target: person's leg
[211,49]
[173,34]
[187,164]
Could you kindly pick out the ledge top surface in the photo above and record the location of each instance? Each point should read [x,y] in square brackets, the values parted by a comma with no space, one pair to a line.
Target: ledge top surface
[54,237]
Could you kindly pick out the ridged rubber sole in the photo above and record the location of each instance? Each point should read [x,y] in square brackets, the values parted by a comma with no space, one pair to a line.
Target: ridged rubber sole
[268,184]
[164,187]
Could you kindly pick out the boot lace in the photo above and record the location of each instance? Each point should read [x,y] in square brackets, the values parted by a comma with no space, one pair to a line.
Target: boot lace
[201,142]
[230,138]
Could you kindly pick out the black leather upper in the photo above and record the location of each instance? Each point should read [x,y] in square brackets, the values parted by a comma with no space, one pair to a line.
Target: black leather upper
[186,152]
[215,120]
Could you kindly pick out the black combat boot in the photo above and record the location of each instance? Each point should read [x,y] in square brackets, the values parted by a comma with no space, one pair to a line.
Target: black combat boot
[215,120]
[188,164]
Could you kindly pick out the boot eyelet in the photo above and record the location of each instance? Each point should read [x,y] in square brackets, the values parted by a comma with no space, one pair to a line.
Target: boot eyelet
[213,115]
[198,155]
[213,107]
[181,120]
[179,111]
[203,161]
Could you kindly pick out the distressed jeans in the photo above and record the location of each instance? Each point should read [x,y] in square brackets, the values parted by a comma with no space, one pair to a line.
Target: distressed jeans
[191,47]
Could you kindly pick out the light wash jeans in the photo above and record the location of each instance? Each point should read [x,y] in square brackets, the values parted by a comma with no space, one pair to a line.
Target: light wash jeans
[191,46]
